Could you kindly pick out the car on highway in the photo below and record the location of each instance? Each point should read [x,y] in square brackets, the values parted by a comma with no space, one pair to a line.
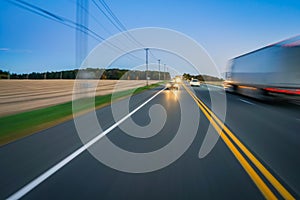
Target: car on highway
[172,85]
[195,82]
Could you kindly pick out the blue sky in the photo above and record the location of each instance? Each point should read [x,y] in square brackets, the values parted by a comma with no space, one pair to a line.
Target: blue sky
[225,28]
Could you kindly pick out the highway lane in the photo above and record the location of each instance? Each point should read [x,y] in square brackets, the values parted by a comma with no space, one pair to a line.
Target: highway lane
[189,177]
[216,176]
[269,129]
[25,159]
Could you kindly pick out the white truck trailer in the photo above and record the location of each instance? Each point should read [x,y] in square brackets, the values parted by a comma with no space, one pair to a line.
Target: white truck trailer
[267,73]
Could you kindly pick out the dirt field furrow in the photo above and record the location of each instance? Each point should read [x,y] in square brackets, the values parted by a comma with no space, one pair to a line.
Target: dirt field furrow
[22,95]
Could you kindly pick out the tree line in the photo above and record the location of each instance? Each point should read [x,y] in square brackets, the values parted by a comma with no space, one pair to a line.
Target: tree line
[90,73]
[201,77]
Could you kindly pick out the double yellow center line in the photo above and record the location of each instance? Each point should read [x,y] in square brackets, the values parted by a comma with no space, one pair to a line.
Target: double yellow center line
[225,134]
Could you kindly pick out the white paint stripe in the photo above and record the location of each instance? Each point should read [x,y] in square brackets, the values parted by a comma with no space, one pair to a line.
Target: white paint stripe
[34,183]
[215,86]
[218,87]
[248,102]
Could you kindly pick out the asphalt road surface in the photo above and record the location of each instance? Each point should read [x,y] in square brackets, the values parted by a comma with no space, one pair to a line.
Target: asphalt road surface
[269,131]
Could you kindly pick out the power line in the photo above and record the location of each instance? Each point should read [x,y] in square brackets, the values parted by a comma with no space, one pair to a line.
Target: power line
[155,58]
[116,19]
[49,15]
[107,8]
[62,20]
[116,22]
[99,23]
[96,20]
[67,22]
[111,21]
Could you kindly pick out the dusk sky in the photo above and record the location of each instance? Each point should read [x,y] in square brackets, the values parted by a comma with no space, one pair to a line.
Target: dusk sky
[225,28]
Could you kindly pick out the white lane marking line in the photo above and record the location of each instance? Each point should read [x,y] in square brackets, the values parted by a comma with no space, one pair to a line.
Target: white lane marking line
[215,86]
[248,102]
[34,183]
[218,87]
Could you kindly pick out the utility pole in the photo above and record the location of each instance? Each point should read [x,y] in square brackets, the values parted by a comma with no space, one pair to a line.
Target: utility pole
[158,69]
[164,72]
[147,49]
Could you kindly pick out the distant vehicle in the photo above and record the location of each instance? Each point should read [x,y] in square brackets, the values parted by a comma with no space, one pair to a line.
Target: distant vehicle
[178,79]
[195,82]
[172,85]
[269,72]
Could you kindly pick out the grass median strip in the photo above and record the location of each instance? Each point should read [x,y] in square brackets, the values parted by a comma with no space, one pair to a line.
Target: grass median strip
[20,125]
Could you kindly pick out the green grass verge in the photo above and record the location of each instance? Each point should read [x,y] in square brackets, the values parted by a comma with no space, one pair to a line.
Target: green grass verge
[20,125]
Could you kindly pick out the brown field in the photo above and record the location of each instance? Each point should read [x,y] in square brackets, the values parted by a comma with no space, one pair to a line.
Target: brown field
[22,95]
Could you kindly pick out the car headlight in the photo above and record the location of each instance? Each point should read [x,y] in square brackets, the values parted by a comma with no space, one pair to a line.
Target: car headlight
[178,80]
[168,85]
[176,85]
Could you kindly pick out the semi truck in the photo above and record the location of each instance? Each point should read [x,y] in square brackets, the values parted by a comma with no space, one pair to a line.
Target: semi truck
[271,72]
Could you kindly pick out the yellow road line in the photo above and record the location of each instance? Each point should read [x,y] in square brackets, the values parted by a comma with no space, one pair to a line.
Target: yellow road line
[211,116]
[268,194]
[279,187]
